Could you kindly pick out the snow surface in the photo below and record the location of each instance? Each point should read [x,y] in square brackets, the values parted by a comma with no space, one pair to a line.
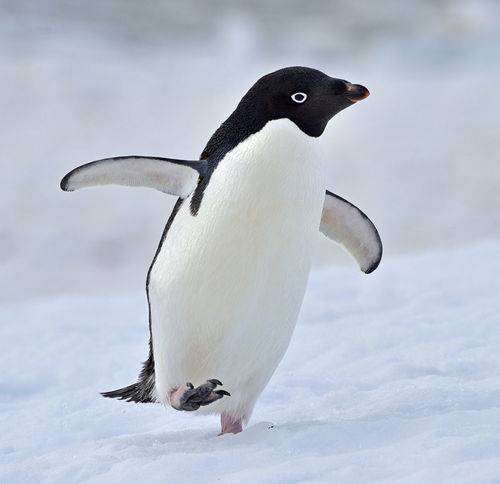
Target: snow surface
[392,377]
[80,81]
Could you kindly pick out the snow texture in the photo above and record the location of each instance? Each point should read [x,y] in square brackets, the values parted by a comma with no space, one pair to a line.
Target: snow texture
[80,81]
[392,377]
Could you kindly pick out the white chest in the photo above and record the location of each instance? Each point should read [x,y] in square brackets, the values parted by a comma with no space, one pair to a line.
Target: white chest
[228,283]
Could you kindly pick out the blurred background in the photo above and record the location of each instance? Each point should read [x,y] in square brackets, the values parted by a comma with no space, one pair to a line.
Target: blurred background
[86,80]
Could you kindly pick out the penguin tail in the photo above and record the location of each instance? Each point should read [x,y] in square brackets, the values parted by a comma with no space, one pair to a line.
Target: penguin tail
[137,393]
[144,391]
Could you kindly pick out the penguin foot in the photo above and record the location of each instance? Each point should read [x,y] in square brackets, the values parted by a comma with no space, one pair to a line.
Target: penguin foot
[189,398]
[230,425]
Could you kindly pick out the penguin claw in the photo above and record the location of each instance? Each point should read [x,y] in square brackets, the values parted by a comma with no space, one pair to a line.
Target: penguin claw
[189,398]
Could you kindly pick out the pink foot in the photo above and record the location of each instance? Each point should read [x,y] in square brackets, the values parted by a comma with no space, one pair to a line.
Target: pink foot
[229,425]
[189,398]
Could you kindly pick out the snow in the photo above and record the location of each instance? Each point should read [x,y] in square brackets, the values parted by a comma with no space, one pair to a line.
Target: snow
[80,81]
[391,377]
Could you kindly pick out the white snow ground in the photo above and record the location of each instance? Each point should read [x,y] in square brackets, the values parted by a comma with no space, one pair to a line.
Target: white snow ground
[392,377]
[81,81]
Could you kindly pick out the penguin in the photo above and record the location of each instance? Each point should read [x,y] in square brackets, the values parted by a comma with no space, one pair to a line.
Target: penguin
[227,281]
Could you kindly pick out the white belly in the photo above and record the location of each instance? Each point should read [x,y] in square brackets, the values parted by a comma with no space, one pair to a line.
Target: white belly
[227,285]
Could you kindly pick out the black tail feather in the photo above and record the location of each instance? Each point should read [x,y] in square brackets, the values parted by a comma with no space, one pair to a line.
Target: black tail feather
[144,390]
[133,393]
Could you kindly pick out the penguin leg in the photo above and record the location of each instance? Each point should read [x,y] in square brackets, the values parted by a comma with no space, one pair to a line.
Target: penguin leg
[230,425]
[189,398]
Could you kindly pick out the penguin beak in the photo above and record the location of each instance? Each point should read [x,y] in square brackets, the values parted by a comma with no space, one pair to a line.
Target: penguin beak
[356,92]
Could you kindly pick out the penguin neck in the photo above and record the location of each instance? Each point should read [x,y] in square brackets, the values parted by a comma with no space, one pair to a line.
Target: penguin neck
[279,146]
[238,127]
[240,130]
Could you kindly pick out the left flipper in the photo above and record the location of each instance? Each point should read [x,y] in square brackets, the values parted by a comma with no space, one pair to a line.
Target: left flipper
[347,225]
[175,177]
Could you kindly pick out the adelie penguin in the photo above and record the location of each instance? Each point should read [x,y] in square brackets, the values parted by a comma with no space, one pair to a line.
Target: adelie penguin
[227,281]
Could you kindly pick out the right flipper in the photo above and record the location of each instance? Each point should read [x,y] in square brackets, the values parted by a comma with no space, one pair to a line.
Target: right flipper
[175,177]
[347,225]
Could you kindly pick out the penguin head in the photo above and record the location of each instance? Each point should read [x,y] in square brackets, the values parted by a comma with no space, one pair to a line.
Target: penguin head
[307,97]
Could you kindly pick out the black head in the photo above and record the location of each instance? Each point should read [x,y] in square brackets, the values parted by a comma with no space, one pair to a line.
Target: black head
[306,96]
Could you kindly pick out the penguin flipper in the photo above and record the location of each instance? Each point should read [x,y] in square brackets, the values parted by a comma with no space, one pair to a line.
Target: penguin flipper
[175,177]
[347,225]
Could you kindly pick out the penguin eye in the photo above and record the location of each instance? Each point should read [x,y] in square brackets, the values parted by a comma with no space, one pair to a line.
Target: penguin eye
[299,97]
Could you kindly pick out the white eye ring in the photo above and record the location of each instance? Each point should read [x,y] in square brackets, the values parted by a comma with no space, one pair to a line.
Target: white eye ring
[299,97]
